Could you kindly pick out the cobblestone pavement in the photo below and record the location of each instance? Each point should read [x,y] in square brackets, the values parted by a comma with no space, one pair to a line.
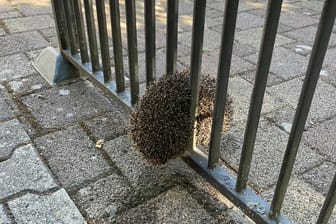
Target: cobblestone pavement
[51,171]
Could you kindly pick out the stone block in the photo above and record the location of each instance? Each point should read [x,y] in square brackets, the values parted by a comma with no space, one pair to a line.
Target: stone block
[174,206]
[322,138]
[297,20]
[146,179]
[9,14]
[5,110]
[2,32]
[72,157]
[107,126]
[54,108]
[271,80]
[240,91]
[320,177]
[105,198]
[27,9]
[246,21]
[160,65]
[52,208]
[312,5]
[28,84]
[14,67]
[210,63]
[24,170]
[21,42]
[329,59]
[253,37]
[302,204]
[3,217]
[328,74]
[323,104]
[12,135]
[307,35]
[285,64]
[268,154]
[29,23]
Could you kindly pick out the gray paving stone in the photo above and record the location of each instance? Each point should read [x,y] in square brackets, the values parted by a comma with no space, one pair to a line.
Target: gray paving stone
[9,14]
[5,6]
[160,65]
[2,32]
[54,208]
[32,54]
[3,217]
[271,80]
[253,37]
[29,23]
[21,42]
[211,40]
[146,179]
[24,171]
[268,154]
[285,63]
[72,157]
[247,21]
[105,198]
[240,90]
[28,84]
[298,48]
[53,110]
[108,126]
[160,40]
[307,35]
[320,177]
[329,59]
[242,50]
[219,5]
[15,66]
[31,9]
[302,204]
[312,5]
[5,110]
[323,105]
[210,63]
[284,117]
[322,137]
[173,206]
[11,135]
[328,74]
[297,20]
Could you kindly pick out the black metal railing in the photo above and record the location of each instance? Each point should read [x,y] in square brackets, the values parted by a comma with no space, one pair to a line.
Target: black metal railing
[74,27]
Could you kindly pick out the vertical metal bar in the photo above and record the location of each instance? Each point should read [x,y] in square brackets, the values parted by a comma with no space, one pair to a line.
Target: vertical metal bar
[150,40]
[196,58]
[229,25]
[132,49]
[117,45]
[103,38]
[71,24]
[172,20]
[61,26]
[329,204]
[306,97]
[91,35]
[264,61]
[81,32]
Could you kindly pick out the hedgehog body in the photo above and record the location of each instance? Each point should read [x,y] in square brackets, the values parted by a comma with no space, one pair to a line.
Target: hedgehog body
[161,126]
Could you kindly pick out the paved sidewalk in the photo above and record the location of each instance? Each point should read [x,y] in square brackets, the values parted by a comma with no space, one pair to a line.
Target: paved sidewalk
[52,172]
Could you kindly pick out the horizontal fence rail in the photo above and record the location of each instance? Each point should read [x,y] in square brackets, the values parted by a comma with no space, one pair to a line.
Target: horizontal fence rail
[77,23]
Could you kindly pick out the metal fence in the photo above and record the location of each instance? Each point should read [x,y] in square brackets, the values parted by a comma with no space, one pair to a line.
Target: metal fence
[79,45]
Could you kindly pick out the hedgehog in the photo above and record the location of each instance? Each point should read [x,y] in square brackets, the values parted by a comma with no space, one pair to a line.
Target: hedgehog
[160,126]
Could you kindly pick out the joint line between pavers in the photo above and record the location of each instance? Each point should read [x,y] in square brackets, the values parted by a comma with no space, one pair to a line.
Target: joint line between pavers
[29,191]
